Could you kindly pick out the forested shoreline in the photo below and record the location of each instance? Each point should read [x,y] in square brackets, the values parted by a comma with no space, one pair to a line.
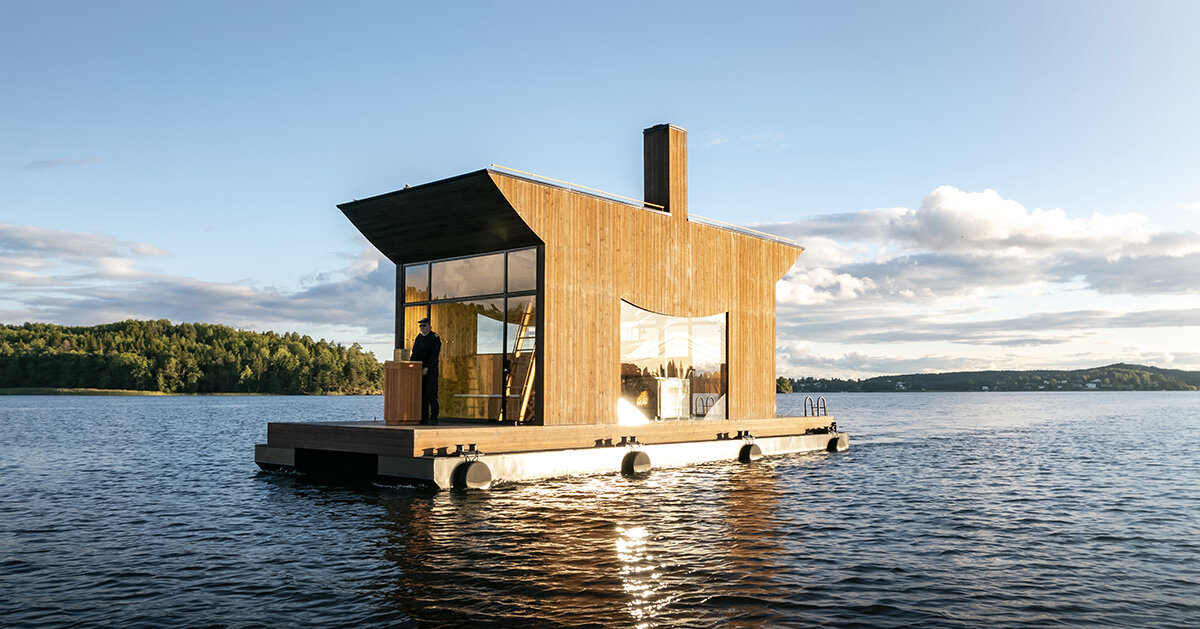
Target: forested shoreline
[161,357]
[1118,377]
[181,358]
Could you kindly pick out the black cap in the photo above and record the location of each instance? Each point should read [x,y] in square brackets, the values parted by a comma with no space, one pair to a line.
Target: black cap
[423,320]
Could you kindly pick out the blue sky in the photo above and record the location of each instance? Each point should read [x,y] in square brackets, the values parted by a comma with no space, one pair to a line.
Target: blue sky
[979,185]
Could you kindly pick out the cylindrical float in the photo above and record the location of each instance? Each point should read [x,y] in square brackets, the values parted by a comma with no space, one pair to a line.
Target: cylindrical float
[750,452]
[472,475]
[635,462]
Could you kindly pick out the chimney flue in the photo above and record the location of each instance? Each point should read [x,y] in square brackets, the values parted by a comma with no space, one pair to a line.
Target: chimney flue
[665,164]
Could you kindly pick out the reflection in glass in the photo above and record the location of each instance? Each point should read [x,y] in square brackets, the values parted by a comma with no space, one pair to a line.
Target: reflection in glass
[488,365]
[489,334]
[470,372]
[416,282]
[671,367]
[521,321]
[522,270]
[412,314]
[465,277]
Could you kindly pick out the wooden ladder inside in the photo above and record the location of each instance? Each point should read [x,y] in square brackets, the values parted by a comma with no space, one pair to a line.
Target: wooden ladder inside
[523,366]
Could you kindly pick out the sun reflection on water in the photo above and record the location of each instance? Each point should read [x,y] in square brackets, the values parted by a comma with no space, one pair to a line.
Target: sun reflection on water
[641,574]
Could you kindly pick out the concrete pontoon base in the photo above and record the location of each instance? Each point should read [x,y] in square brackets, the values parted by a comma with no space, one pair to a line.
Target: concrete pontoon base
[465,471]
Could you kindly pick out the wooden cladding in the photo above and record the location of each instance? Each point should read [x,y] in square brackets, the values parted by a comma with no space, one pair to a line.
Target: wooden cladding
[594,253]
[402,392]
[665,167]
[599,251]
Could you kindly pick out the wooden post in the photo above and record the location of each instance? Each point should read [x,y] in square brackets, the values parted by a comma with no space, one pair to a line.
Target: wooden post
[401,392]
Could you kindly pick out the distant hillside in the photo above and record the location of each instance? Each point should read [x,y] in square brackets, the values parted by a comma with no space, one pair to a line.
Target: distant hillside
[1118,377]
[183,358]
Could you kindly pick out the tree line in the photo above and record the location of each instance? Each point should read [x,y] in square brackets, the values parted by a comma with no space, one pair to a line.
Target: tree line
[1118,377]
[182,358]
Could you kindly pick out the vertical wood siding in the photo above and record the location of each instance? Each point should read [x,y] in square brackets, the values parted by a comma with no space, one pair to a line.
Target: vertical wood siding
[598,252]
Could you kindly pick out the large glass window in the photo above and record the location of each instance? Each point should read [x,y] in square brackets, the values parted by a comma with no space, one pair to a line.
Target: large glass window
[522,270]
[416,282]
[472,332]
[671,367]
[484,308]
[464,277]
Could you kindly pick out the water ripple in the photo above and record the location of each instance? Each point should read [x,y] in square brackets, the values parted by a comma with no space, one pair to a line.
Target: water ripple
[949,511]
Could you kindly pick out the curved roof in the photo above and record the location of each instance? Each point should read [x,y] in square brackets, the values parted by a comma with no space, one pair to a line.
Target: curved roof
[459,216]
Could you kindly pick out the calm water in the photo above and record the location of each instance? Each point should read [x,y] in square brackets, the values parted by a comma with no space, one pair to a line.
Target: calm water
[1078,509]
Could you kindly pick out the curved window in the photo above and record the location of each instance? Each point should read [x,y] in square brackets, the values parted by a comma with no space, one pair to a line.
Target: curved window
[671,367]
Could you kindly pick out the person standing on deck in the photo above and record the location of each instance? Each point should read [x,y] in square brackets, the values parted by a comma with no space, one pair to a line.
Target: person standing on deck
[426,348]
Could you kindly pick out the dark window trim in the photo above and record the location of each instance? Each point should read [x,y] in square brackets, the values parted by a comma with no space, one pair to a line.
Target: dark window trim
[537,293]
[473,255]
[522,293]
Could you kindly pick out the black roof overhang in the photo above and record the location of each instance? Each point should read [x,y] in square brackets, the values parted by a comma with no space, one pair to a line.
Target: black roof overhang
[460,216]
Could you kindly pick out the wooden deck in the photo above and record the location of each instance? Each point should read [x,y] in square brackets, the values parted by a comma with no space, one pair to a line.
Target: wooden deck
[443,439]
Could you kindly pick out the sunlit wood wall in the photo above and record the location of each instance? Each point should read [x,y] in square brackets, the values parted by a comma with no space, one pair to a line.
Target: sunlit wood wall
[598,252]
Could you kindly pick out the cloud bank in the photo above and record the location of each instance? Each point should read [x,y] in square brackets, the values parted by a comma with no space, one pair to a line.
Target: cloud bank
[59,162]
[74,278]
[897,286]
[965,280]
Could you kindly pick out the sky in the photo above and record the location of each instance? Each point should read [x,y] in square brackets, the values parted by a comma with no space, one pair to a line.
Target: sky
[978,185]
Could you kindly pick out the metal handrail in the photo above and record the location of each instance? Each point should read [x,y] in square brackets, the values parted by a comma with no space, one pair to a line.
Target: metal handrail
[692,217]
[575,185]
[745,230]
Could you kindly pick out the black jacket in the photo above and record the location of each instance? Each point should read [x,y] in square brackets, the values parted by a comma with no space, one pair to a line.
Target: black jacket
[427,349]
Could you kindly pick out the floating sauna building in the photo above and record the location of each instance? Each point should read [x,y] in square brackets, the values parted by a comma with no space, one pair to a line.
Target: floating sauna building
[581,332]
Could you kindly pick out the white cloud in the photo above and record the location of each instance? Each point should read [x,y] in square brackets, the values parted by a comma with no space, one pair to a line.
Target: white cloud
[34,246]
[950,219]
[84,279]
[893,283]
[24,278]
[1041,328]
[817,286]
[960,243]
[800,361]
[59,162]
[764,140]
[746,141]
[849,226]
[109,267]
[964,281]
